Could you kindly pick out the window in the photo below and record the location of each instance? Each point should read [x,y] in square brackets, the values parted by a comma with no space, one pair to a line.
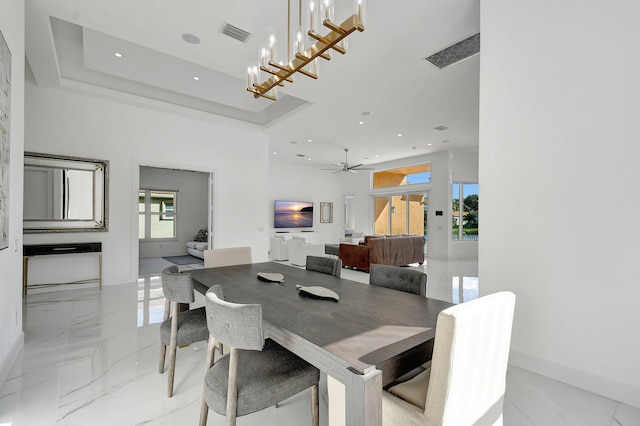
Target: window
[409,175]
[465,215]
[158,214]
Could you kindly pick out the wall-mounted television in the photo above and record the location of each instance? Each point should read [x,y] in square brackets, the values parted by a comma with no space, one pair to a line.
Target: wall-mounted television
[293,214]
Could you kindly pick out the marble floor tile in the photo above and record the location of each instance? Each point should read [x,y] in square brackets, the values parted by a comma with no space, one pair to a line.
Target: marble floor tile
[91,358]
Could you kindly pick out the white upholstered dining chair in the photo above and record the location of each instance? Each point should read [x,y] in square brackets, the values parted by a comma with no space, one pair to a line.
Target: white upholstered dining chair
[227,257]
[464,383]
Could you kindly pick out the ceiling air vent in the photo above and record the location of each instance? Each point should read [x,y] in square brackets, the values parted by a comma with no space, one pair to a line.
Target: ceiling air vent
[458,52]
[235,32]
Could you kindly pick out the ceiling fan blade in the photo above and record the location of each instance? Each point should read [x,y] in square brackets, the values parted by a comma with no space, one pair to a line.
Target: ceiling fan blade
[353,167]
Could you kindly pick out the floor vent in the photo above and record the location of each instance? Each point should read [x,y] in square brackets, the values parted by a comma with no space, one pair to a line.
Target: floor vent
[235,32]
[458,52]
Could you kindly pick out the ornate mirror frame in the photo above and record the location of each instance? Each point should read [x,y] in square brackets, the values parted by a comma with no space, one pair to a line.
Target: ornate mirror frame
[100,203]
[326,212]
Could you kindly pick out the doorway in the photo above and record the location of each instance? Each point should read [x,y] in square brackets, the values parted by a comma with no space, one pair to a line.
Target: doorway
[173,205]
[402,214]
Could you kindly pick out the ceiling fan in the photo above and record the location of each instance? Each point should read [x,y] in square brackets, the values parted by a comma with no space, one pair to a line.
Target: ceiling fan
[345,167]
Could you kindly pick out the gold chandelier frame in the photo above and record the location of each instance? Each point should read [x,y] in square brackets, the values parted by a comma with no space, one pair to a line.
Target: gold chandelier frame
[283,73]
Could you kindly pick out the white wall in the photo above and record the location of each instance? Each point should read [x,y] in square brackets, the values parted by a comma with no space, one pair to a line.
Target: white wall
[62,122]
[559,173]
[291,182]
[11,335]
[193,193]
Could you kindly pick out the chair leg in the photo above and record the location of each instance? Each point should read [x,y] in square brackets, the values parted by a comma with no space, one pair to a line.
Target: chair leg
[211,354]
[163,347]
[315,406]
[172,348]
[204,411]
[163,351]
[232,389]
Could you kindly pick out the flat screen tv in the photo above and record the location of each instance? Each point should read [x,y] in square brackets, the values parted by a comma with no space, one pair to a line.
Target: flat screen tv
[293,214]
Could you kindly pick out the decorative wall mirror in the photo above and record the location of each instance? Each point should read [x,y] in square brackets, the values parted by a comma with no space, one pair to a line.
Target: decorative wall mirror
[349,213]
[326,212]
[64,194]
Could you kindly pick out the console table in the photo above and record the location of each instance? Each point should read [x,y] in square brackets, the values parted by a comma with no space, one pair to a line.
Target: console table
[49,249]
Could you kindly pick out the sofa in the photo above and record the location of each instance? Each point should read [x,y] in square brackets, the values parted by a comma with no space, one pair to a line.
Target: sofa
[199,244]
[393,250]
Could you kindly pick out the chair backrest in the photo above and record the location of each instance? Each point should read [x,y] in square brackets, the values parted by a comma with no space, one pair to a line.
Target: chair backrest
[177,286]
[227,257]
[236,325]
[397,278]
[469,364]
[326,265]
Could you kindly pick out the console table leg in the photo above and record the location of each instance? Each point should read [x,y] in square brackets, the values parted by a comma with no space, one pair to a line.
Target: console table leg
[100,268]
[25,274]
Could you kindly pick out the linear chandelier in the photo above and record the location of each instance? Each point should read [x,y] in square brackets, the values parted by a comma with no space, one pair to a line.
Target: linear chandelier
[299,59]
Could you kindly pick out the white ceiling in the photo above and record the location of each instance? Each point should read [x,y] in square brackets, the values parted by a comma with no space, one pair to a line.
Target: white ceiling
[72,43]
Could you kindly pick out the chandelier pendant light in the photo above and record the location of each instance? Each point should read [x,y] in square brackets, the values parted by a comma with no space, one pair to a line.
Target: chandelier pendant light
[304,61]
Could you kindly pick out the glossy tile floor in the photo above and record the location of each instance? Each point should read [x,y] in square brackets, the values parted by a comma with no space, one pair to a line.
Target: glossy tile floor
[91,358]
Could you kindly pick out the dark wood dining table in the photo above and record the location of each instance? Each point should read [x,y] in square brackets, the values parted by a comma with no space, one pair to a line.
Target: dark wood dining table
[371,336]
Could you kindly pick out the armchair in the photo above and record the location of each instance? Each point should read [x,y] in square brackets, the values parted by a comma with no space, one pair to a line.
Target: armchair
[279,248]
[299,250]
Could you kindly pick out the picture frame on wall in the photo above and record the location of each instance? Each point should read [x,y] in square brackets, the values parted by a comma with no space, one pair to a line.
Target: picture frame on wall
[5,135]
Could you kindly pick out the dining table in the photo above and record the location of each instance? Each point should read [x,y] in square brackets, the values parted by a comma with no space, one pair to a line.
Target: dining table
[366,339]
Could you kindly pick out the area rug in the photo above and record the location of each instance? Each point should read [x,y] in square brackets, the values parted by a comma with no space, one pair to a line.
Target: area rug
[183,260]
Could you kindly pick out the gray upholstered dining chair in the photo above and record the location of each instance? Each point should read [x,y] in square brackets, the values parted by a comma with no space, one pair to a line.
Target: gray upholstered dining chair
[465,383]
[326,265]
[227,257]
[257,373]
[397,278]
[179,328]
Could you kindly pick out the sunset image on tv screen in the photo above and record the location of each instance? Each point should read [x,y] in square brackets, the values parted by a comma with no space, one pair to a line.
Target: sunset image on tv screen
[293,214]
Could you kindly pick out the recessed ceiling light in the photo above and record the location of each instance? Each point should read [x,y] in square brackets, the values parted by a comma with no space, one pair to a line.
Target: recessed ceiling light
[190,38]
[309,140]
[117,54]
[275,153]
[399,134]
[196,78]
[377,156]
[309,158]
[360,122]
[429,144]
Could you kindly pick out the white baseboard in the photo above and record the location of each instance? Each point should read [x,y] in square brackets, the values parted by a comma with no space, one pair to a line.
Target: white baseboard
[7,363]
[604,386]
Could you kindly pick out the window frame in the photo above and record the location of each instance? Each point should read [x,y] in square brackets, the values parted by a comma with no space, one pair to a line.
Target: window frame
[163,215]
[460,233]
